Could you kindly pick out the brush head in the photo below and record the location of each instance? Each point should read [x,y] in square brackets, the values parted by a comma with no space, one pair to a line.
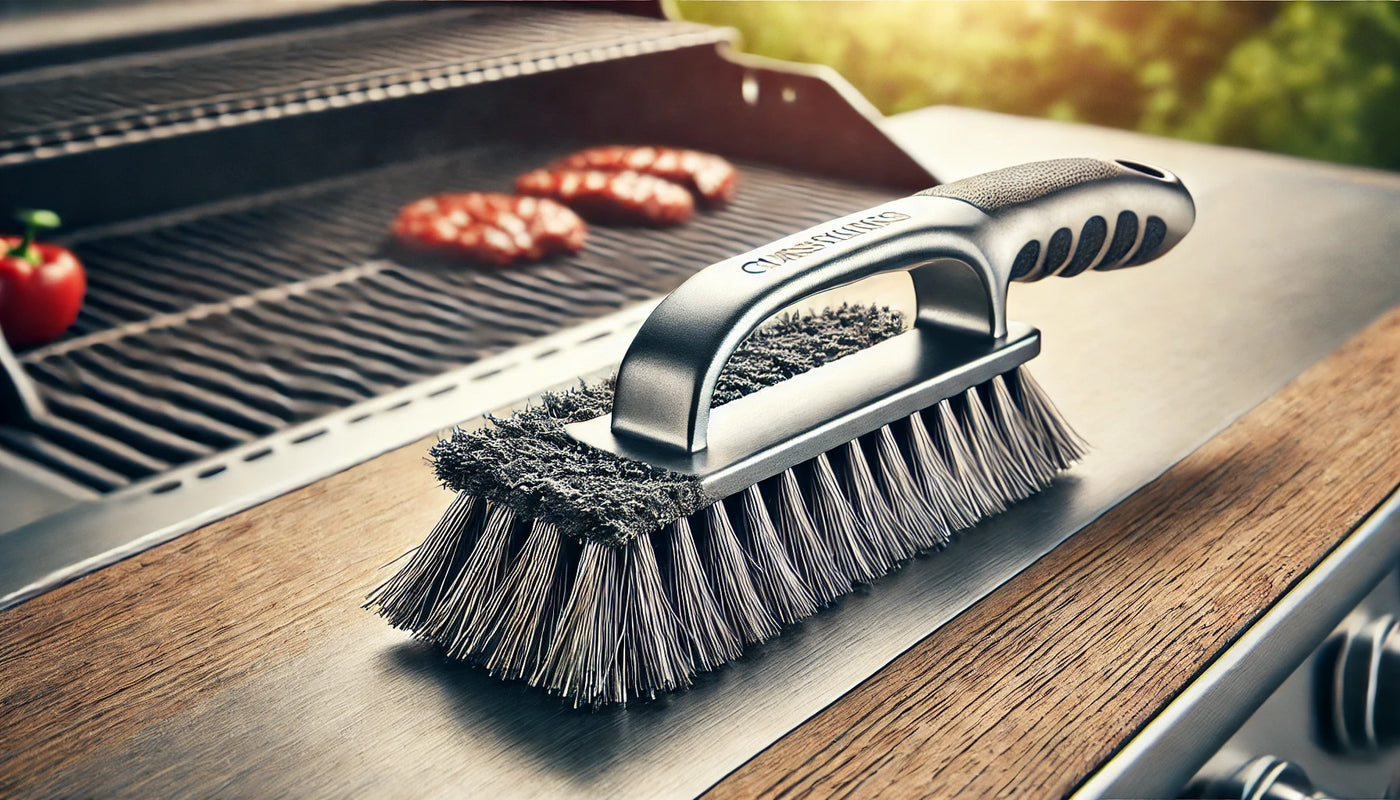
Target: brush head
[529,464]
[604,579]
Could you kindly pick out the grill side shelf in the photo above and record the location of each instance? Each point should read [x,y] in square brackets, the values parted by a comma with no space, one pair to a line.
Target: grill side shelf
[57,111]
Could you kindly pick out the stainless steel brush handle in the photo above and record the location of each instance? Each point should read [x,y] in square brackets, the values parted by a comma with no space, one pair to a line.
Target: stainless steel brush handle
[961,243]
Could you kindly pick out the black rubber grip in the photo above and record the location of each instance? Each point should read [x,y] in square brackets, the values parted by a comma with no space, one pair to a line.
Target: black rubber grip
[1023,183]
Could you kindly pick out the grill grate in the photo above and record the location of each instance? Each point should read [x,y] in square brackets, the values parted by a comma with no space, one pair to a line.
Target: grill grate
[207,333]
[62,110]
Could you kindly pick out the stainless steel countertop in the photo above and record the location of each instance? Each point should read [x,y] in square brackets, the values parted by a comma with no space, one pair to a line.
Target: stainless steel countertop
[1288,260]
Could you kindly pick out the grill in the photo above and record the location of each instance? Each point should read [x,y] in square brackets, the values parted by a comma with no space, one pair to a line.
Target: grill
[75,108]
[215,331]
[248,325]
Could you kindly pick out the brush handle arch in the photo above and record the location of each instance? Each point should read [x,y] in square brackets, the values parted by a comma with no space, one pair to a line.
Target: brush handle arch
[962,243]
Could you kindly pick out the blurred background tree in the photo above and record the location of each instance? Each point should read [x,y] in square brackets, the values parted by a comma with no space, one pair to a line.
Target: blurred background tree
[1313,79]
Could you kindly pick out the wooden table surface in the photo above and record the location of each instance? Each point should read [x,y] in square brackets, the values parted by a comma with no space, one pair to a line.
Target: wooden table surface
[1025,693]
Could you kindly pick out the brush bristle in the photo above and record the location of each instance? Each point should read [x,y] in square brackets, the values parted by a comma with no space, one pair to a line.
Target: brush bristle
[601,624]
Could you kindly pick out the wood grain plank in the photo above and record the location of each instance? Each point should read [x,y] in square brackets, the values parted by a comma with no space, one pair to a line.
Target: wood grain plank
[90,663]
[1033,687]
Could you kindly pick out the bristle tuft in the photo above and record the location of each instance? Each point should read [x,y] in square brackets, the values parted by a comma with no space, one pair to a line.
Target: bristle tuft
[806,551]
[783,592]
[729,575]
[878,523]
[651,658]
[921,521]
[1057,439]
[525,606]
[987,449]
[1027,458]
[962,463]
[839,526]
[582,660]
[939,486]
[408,598]
[462,615]
[702,626]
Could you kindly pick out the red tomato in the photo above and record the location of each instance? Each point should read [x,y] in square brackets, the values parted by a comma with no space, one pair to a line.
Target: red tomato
[38,302]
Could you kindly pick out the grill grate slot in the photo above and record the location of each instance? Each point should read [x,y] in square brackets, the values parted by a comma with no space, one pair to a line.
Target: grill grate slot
[290,308]
[152,409]
[220,409]
[67,461]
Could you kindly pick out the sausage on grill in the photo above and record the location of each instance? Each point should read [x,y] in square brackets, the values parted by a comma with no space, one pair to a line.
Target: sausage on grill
[489,228]
[624,198]
[710,177]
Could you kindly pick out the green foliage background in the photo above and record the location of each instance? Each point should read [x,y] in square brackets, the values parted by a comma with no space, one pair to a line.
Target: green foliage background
[1317,79]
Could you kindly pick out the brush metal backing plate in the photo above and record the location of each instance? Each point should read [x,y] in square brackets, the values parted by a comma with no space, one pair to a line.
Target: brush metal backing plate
[757,436]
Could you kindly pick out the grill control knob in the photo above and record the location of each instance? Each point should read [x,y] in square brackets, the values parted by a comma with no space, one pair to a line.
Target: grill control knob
[1264,778]
[1358,688]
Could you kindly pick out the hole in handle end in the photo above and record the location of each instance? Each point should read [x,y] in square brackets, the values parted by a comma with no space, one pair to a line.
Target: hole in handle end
[1143,168]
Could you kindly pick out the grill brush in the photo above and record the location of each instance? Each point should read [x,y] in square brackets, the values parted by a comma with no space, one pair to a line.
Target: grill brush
[616,539]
